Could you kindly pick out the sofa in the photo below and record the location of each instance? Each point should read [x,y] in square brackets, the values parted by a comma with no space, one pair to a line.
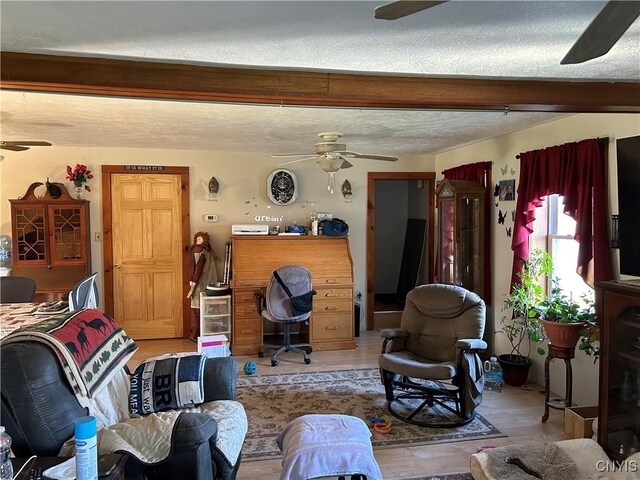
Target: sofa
[39,408]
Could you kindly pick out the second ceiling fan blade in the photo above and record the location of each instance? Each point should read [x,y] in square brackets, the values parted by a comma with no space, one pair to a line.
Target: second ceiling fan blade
[395,10]
[371,157]
[14,148]
[296,161]
[603,32]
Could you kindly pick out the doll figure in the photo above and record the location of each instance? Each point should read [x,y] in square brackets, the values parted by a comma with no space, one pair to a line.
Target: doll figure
[202,272]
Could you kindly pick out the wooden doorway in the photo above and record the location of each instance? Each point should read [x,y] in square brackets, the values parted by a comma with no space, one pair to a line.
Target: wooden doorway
[145,217]
[429,180]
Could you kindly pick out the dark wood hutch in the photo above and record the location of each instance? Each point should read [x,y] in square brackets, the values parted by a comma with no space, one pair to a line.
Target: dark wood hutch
[51,243]
[618,310]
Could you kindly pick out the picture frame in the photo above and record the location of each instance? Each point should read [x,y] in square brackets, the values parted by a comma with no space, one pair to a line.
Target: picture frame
[507,190]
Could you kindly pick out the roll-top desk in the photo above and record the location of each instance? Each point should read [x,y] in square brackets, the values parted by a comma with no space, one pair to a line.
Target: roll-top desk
[253,260]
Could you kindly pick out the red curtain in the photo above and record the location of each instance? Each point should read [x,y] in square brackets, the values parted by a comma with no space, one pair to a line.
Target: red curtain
[479,172]
[576,171]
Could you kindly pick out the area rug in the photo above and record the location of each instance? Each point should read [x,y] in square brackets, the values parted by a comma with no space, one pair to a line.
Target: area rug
[444,476]
[272,401]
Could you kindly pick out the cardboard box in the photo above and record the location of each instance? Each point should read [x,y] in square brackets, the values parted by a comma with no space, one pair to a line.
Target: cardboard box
[214,346]
[578,421]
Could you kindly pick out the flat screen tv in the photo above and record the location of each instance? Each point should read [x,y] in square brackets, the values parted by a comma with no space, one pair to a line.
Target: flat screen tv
[629,205]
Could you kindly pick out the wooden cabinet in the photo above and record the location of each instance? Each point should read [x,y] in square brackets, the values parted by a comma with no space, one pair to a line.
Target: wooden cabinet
[461,241]
[50,241]
[327,258]
[618,311]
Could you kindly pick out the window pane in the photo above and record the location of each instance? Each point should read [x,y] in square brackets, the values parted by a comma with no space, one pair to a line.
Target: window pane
[565,253]
[566,225]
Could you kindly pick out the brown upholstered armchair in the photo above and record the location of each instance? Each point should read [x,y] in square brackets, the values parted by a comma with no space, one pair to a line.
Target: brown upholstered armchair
[432,360]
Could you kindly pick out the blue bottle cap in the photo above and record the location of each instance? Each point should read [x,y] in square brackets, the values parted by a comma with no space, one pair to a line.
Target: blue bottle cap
[85,427]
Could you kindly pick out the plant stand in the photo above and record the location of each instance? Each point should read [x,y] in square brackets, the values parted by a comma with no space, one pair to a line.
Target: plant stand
[566,354]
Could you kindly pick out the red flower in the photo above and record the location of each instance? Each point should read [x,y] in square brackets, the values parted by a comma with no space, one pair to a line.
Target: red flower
[79,175]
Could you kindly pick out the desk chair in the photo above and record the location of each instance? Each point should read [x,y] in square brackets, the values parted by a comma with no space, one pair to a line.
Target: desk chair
[278,308]
[17,290]
[84,294]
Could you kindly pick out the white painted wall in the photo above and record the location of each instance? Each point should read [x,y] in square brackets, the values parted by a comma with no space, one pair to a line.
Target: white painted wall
[242,194]
[502,151]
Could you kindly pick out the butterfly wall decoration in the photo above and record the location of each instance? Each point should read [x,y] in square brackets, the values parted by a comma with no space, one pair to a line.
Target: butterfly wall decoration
[508,229]
[501,217]
[505,169]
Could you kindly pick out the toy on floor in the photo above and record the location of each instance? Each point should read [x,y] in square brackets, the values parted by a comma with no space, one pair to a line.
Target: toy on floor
[250,368]
[380,425]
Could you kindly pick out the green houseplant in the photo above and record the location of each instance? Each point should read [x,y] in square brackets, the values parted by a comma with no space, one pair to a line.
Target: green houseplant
[524,328]
[566,321]
[535,313]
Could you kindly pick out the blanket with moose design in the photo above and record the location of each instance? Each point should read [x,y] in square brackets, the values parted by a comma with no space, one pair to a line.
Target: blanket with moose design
[90,345]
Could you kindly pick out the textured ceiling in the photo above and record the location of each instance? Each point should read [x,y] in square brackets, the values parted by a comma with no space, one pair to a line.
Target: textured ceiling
[480,39]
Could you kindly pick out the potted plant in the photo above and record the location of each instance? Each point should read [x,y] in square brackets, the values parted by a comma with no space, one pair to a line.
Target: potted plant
[524,327]
[566,321]
[537,316]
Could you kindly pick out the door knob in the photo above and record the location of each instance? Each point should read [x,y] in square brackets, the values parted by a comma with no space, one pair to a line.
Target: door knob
[117,265]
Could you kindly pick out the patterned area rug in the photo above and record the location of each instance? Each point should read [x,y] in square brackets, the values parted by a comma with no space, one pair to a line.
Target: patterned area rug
[272,401]
[444,476]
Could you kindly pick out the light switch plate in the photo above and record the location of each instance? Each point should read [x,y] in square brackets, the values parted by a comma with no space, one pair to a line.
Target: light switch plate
[210,217]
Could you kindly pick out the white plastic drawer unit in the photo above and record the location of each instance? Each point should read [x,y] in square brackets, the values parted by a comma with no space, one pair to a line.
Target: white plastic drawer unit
[215,314]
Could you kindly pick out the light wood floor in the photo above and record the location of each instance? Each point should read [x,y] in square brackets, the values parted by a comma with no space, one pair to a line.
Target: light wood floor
[516,412]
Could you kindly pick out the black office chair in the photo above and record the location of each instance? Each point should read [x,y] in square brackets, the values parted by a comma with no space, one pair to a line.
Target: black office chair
[17,290]
[297,280]
[84,294]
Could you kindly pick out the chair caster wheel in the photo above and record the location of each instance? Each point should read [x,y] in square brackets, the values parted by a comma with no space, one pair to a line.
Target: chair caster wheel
[309,350]
[260,354]
[307,361]
[274,363]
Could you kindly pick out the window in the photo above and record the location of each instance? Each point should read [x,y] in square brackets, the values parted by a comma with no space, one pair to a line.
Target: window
[558,233]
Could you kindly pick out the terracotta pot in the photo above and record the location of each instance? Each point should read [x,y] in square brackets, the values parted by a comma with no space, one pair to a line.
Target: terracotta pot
[515,369]
[565,335]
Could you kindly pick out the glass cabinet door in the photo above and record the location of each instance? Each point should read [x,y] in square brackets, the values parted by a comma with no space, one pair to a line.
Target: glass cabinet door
[470,269]
[30,235]
[67,234]
[447,239]
[621,360]
[460,223]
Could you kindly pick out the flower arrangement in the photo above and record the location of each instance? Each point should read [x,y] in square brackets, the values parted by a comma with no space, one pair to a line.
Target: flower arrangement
[80,175]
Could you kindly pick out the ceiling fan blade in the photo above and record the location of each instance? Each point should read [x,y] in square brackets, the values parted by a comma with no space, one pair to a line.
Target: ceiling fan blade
[298,160]
[395,10]
[15,148]
[603,32]
[286,155]
[31,143]
[364,155]
[346,164]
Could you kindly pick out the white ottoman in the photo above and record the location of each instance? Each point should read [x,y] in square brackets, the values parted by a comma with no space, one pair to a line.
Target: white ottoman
[316,446]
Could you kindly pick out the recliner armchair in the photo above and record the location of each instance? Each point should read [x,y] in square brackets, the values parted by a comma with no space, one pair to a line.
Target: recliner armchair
[39,408]
[432,360]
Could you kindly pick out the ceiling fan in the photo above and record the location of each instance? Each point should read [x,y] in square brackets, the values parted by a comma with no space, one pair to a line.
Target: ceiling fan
[332,156]
[602,33]
[18,146]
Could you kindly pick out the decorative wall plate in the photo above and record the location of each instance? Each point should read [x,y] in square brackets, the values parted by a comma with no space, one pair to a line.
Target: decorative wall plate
[282,187]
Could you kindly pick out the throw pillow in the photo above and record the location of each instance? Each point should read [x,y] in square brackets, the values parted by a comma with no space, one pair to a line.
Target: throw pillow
[167,382]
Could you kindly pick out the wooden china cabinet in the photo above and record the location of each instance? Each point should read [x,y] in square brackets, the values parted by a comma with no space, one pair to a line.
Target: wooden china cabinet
[618,311]
[461,242]
[50,235]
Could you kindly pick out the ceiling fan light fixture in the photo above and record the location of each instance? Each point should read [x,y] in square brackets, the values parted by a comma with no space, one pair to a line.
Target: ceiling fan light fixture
[331,163]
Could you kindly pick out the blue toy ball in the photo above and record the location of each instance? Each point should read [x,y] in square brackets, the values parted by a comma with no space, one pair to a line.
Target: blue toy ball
[250,368]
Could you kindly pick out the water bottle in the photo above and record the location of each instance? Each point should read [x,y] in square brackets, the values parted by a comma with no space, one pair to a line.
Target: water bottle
[86,449]
[493,379]
[6,469]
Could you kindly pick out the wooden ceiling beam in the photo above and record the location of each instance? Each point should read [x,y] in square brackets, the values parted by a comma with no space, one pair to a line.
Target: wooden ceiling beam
[113,77]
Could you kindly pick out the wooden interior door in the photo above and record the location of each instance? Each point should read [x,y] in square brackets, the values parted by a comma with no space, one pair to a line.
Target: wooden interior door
[146,244]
